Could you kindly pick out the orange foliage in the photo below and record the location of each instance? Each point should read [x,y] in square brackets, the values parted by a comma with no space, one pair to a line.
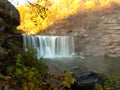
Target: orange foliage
[57,9]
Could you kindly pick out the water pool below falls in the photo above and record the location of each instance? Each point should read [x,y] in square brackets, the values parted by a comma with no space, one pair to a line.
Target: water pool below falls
[59,53]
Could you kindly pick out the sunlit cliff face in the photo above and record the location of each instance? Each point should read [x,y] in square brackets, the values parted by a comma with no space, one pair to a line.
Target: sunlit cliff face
[60,9]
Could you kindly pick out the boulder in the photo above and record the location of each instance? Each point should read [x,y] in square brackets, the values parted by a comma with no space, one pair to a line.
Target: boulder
[87,81]
[9,15]
[9,39]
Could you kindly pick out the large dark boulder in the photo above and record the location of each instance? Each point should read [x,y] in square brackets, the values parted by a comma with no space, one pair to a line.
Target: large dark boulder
[87,81]
[9,39]
[9,15]
[9,10]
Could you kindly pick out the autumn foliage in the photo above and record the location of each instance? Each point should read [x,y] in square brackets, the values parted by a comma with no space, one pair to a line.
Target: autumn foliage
[41,14]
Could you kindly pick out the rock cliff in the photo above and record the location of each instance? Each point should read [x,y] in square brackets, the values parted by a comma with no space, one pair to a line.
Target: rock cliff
[9,37]
[96,33]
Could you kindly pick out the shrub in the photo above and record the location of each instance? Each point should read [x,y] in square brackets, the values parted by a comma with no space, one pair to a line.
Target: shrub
[27,69]
[111,82]
[26,72]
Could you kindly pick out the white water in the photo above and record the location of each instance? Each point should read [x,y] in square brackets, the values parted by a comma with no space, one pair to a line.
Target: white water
[50,46]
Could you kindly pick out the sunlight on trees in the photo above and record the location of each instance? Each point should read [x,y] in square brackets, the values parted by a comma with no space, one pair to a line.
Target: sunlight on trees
[43,13]
[32,17]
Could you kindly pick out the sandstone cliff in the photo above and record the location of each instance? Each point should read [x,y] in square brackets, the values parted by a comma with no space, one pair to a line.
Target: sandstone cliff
[96,33]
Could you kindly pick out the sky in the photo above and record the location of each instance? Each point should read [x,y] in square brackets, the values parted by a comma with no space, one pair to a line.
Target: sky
[19,2]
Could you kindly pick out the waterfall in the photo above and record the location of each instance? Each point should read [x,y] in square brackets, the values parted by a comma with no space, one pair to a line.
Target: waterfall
[50,46]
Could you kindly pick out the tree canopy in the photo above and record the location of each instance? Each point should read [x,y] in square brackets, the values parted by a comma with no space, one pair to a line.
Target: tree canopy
[41,14]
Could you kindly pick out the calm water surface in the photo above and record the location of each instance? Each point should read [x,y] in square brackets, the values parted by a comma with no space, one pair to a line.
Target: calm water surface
[100,64]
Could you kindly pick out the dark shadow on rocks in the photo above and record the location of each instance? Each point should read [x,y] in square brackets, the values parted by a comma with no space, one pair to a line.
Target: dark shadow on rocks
[87,81]
[9,39]
[9,16]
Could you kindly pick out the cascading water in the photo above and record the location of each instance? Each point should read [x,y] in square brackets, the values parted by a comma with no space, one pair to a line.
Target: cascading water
[50,46]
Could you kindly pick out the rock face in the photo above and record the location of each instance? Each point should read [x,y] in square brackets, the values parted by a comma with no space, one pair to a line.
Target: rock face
[9,13]
[9,39]
[95,34]
[105,39]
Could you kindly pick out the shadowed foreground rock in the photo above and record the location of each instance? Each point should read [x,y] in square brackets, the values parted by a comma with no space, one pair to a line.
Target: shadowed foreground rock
[9,39]
[9,13]
[87,81]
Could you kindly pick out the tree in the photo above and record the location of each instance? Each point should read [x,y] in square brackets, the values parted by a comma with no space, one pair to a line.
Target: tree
[32,17]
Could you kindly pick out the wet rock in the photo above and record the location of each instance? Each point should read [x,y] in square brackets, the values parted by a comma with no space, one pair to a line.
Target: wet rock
[87,81]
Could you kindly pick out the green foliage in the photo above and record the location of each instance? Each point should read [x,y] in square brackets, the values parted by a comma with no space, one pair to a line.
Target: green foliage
[68,80]
[29,59]
[27,72]
[112,82]
[29,69]
[58,82]
[98,87]
[1,76]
